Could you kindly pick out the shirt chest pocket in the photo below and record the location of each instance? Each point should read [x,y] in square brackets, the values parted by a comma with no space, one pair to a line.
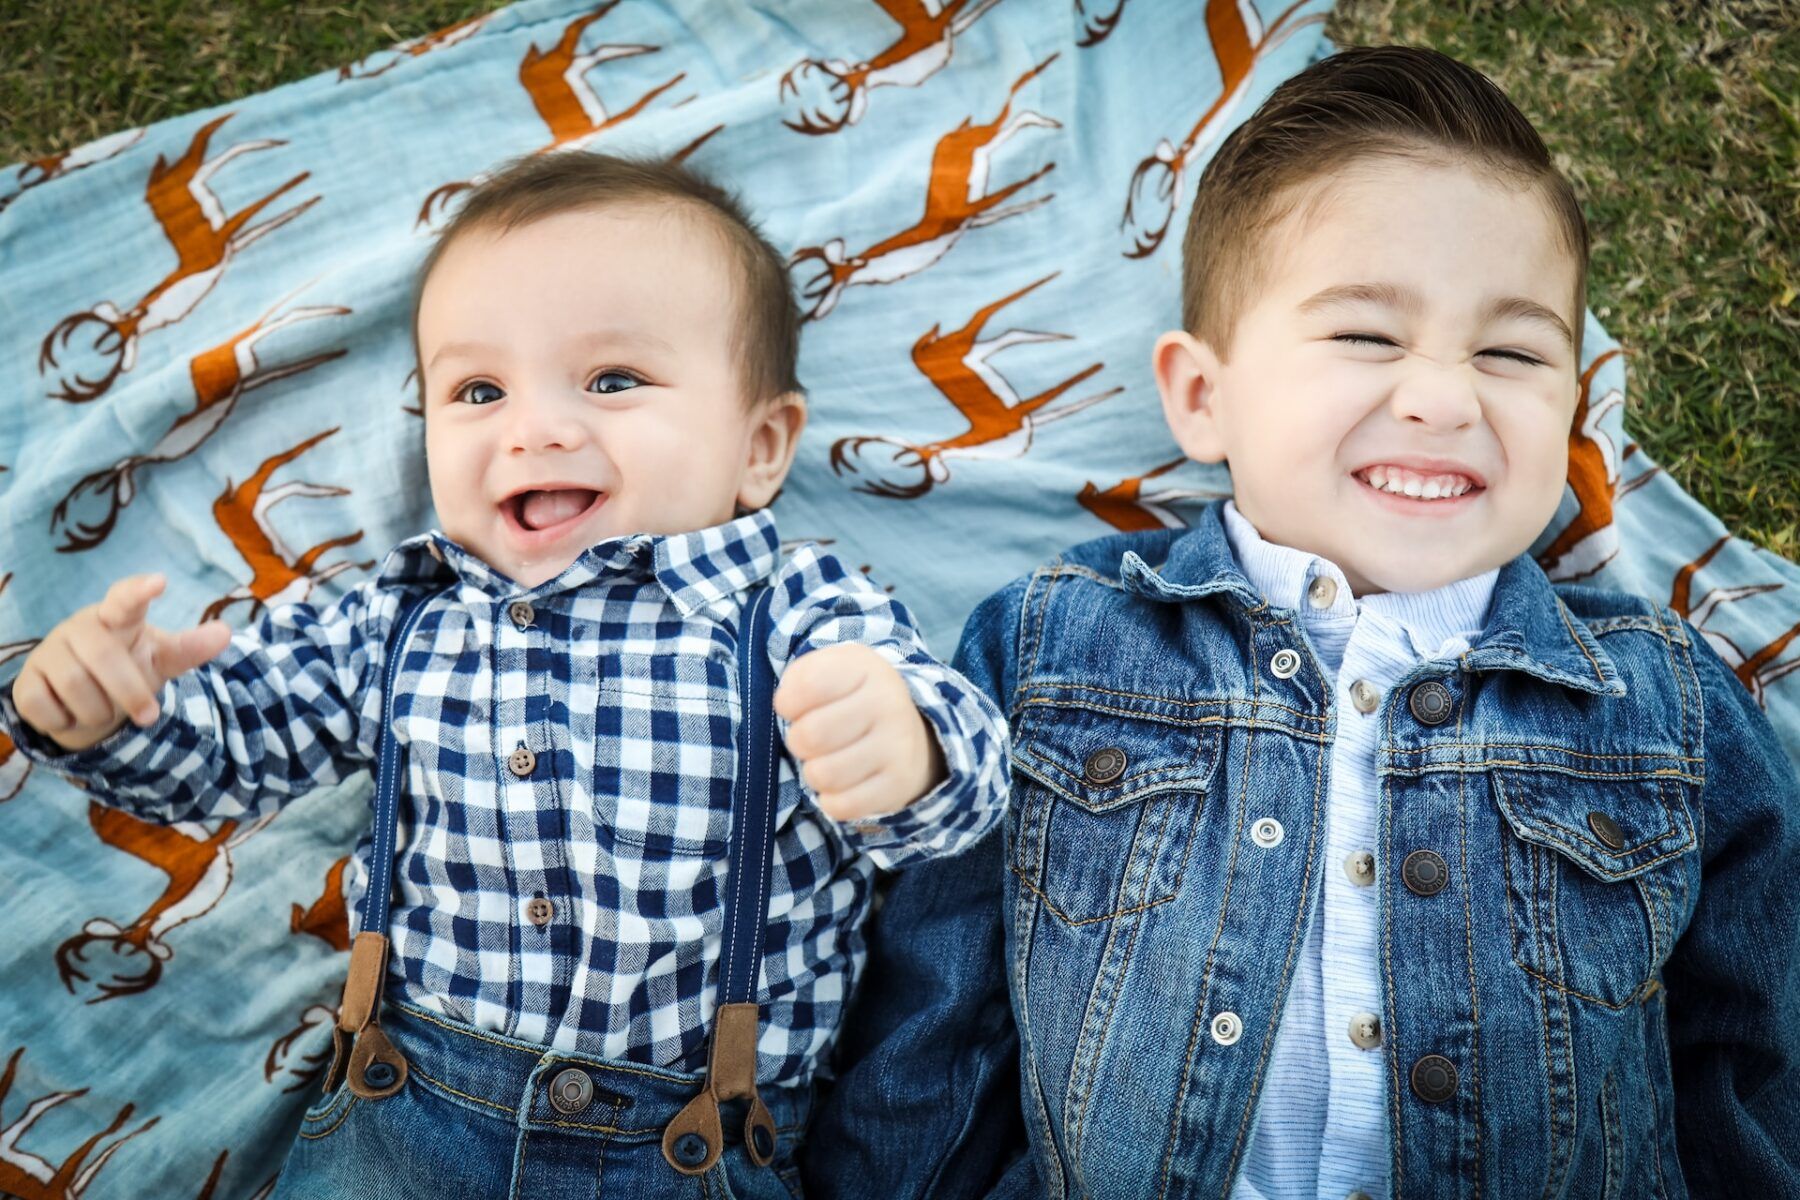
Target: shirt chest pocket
[1597,878]
[1105,804]
[665,758]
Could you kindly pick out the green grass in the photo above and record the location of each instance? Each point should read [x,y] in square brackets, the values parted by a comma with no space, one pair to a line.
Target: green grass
[1679,124]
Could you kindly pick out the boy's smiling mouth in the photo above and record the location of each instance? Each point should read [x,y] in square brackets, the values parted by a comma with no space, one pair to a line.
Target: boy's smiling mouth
[1437,485]
[542,514]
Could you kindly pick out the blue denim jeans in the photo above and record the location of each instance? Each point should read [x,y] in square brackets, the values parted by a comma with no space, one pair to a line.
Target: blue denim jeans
[475,1120]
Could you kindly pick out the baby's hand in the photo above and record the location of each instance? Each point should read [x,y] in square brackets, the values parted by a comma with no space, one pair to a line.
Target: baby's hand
[863,745]
[104,665]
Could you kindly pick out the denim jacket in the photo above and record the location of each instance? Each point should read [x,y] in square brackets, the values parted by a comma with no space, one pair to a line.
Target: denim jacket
[1596,993]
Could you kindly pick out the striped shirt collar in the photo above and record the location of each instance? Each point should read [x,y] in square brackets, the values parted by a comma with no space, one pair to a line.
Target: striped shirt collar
[1444,621]
[695,569]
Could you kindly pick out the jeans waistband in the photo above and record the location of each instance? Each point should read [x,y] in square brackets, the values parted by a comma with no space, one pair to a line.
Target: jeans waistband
[510,1080]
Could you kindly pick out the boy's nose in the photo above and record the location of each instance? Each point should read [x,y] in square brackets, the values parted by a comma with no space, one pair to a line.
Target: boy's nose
[1438,397]
[542,423]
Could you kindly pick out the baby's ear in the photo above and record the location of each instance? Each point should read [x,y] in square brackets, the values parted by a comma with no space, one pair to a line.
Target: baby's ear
[1187,375]
[775,426]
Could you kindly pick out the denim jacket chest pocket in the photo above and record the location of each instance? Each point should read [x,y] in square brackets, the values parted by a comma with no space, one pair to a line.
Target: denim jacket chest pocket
[1598,878]
[1105,804]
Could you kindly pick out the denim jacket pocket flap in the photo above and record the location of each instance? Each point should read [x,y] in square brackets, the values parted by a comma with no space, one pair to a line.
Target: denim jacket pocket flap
[1102,757]
[1614,829]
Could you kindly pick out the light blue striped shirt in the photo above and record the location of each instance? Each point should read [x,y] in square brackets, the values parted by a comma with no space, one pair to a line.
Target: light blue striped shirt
[1321,1124]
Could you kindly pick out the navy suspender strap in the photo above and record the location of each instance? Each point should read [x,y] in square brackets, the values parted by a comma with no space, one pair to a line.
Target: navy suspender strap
[694,1140]
[359,1048]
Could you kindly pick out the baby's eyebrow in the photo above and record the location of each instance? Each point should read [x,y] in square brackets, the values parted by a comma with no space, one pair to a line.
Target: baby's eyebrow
[1389,295]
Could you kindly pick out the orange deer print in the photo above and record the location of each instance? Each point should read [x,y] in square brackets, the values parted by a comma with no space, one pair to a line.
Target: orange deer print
[326,918]
[205,240]
[450,35]
[957,200]
[40,171]
[1129,508]
[1238,40]
[220,375]
[26,1176]
[556,80]
[1590,540]
[1000,423]
[1756,670]
[198,863]
[288,1063]
[928,31]
[277,575]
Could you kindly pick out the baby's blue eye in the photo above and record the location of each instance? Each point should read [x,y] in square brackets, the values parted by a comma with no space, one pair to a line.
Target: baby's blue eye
[608,382]
[480,392]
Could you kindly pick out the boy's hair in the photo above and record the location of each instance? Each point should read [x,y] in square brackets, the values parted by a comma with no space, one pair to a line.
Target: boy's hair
[767,335]
[1358,102]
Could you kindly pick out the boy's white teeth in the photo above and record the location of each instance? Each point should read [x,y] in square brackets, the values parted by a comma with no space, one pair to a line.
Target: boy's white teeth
[1417,485]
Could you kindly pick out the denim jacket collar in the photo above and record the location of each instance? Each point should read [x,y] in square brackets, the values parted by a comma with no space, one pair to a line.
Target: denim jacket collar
[1528,627]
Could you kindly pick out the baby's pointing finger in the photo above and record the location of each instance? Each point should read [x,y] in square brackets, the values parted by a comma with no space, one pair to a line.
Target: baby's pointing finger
[120,677]
[127,602]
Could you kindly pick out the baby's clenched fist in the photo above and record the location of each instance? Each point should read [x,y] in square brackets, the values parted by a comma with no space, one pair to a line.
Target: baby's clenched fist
[106,665]
[863,745]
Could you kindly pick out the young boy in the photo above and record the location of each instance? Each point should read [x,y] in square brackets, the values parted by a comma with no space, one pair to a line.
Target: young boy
[1347,856]
[607,353]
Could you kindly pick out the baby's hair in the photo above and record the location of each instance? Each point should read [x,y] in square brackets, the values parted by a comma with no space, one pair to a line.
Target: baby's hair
[1360,102]
[767,335]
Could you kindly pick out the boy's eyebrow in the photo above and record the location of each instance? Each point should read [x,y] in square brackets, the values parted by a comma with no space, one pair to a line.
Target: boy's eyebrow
[587,341]
[1390,295]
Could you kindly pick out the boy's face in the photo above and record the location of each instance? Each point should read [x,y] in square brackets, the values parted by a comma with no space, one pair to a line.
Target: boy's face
[581,382]
[1399,393]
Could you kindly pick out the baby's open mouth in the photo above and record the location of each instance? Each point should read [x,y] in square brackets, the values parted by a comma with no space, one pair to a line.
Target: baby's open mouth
[1419,485]
[538,510]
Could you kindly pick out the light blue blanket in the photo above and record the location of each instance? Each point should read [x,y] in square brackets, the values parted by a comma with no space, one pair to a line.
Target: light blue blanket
[204,350]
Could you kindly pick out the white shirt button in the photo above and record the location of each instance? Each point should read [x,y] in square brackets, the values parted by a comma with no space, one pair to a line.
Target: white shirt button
[1365,1030]
[1365,696]
[1323,592]
[1360,867]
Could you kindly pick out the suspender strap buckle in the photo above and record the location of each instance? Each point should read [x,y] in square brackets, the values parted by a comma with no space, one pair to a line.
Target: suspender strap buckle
[694,1140]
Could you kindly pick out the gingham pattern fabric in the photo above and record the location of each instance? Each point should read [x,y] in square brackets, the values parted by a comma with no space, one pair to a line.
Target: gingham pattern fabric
[1321,1126]
[619,680]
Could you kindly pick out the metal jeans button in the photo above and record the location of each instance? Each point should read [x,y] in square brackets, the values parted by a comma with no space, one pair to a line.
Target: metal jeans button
[1607,830]
[1105,765]
[1434,1079]
[1424,873]
[1431,703]
[571,1090]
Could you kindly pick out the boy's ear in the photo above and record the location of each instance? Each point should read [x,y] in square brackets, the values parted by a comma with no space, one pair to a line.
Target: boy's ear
[1187,375]
[774,436]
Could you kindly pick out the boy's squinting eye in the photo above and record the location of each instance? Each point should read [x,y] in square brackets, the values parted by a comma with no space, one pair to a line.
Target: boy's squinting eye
[607,382]
[1372,339]
[479,392]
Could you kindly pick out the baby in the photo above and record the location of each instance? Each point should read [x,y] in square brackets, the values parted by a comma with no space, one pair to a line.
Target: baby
[1348,856]
[606,351]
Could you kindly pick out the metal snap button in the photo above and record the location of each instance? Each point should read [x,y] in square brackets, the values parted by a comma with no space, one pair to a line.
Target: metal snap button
[1104,766]
[521,762]
[571,1091]
[1424,873]
[1434,1079]
[539,911]
[522,613]
[1267,833]
[1323,592]
[690,1149]
[1285,664]
[1431,703]
[1607,830]
[1226,1028]
[763,1140]
[1365,1030]
[1365,697]
[1360,867]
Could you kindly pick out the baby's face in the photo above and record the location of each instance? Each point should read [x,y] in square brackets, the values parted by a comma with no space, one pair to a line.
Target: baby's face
[581,383]
[1399,394]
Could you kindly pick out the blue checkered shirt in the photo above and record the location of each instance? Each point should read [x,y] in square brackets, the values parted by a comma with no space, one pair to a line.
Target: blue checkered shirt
[619,677]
